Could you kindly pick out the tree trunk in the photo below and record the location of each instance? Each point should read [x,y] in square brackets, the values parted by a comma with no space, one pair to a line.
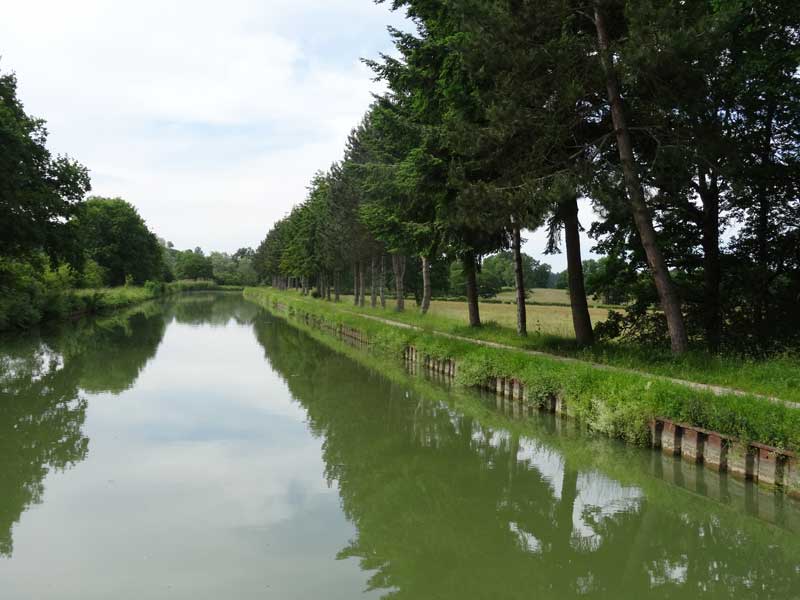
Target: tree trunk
[712,311]
[581,321]
[336,292]
[762,229]
[426,285]
[670,303]
[362,279]
[472,289]
[399,267]
[519,282]
[355,283]
[382,285]
[374,291]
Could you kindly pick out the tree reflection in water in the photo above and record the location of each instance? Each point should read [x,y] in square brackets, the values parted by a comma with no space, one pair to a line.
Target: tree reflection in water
[446,506]
[43,378]
[42,406]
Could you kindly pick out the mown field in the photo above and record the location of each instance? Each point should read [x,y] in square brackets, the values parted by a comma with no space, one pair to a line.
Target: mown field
[552,320]
[544,296]
[550,330]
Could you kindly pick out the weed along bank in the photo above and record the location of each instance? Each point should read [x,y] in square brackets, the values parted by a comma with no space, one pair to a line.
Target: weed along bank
[745,435]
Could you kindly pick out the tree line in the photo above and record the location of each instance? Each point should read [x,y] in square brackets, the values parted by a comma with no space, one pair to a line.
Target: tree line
[678,120]
[54,238]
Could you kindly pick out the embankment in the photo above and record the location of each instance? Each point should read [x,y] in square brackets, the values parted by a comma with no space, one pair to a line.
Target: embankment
[59,305]
[747,435]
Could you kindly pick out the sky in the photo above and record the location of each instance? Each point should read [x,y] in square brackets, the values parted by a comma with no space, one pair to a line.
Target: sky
[209,117]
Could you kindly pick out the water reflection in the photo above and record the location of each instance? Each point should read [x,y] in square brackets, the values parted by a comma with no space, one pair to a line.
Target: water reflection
[216,309]
[202,469]
[448,506]
[41,415]
[42,408]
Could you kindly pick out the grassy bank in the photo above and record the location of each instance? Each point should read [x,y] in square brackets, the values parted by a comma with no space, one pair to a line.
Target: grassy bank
[620,404]
[583,451]
[550,330]
[59,303]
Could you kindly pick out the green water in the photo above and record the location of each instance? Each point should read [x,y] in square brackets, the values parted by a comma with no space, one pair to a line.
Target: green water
[205,449]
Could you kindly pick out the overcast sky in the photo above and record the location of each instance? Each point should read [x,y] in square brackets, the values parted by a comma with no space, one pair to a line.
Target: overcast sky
[209,117]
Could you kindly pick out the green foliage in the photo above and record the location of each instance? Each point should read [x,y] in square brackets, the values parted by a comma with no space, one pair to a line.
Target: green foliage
[39,193]
[31,291]
[93,275]
[193,264]
[113,235]
[234,269]
[500,267]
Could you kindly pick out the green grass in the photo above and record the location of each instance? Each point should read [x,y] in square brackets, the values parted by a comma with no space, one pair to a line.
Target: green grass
[553,319]
[620,404]
[551,332]
[545,296]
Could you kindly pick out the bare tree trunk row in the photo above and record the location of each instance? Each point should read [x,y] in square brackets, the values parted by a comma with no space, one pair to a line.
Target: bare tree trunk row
[355,283]
[372,283]
[361,284]
[470,273]
[581,321]
[519,281]
[399,268]
[426,285]
[382,283]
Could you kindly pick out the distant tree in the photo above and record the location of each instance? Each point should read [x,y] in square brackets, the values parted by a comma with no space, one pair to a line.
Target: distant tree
[223,267]
[562,280]
[539,274]
[112,234]
[489,278]
[193,264]
[234,269]
[535,274]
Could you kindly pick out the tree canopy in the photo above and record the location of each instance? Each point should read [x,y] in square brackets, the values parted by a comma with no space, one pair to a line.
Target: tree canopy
[679,121]
[113,235]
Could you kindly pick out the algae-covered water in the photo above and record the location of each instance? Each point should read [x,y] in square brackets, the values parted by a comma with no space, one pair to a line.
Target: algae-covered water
[202,448]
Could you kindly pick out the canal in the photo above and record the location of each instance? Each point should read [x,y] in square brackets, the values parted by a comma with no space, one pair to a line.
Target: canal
[203,448]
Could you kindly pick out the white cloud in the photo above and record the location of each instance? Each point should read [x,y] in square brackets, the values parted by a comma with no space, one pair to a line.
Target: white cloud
[211,117]
[537,240]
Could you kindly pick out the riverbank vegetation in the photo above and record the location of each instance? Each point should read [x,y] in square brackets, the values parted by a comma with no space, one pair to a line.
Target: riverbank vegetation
[678,122]
[617,403]
[777,377]
[63,254]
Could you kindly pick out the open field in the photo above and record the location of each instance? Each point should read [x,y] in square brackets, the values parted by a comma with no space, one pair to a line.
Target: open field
[547,320]
[544,296]
[551,320]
